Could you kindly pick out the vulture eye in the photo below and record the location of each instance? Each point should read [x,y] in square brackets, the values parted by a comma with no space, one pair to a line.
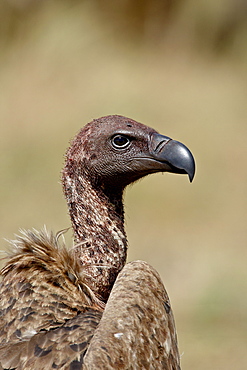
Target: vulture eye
[120,141]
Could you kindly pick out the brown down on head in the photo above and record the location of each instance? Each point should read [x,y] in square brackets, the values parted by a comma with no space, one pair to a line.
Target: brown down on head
[52,298]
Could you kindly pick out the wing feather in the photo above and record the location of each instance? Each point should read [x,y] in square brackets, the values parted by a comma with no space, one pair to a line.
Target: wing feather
[137,329]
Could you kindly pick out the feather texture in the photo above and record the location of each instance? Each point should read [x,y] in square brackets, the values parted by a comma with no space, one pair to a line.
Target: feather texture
[140,325]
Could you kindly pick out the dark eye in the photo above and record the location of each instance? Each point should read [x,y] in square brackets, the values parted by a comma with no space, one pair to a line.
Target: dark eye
[120,141]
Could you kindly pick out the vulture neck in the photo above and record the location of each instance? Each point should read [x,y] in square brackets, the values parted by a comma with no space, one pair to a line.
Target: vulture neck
[97,218]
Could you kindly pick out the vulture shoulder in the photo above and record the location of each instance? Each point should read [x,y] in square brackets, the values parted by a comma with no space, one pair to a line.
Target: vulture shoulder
[140,326]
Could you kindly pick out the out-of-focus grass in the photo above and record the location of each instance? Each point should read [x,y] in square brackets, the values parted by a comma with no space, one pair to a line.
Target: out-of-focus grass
[67,67]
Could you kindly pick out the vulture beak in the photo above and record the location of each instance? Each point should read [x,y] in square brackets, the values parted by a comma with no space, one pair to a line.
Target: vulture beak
[171,156]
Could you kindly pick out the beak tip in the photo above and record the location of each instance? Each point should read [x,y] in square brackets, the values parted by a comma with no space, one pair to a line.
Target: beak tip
[191,169]
[191,176]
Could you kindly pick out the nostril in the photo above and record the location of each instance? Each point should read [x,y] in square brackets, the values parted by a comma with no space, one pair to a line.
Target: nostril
[161,145]
[158,142]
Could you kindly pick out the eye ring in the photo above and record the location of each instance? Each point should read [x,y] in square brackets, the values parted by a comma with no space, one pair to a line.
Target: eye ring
[120,141]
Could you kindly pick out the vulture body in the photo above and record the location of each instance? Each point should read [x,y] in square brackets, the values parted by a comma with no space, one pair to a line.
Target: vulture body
[84,308]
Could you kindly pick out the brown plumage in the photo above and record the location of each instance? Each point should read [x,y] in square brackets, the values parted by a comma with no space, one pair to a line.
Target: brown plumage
[82,308]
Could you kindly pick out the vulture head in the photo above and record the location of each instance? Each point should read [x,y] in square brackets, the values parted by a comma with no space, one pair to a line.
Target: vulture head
[114,151]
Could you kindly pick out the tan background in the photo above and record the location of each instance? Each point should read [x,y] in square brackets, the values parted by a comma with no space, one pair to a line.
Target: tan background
[179,67]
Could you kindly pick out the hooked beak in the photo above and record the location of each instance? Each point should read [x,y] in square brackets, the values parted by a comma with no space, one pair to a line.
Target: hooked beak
[171,156]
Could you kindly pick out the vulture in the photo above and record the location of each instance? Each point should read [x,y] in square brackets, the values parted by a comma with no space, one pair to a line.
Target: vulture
[84,307]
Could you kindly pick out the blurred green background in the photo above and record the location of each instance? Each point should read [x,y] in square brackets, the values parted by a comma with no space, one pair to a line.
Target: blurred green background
[178,66]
